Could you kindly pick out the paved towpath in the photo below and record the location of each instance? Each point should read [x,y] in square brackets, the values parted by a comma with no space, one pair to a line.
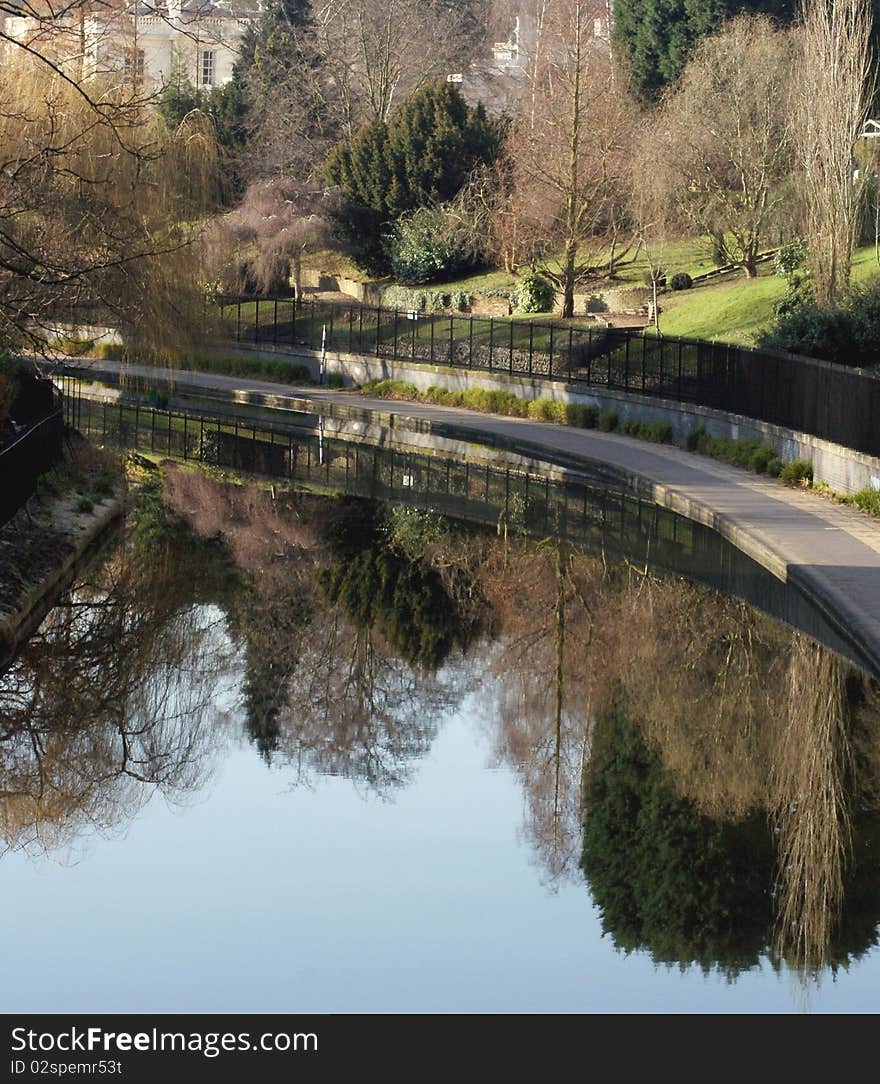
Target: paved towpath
[830,551]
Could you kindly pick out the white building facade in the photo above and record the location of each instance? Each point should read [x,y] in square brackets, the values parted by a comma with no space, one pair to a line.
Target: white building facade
[145,44]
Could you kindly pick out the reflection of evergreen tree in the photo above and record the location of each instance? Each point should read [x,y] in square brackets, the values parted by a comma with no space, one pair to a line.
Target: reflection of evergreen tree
[377,585]
[272,625]
[665,878]
[689,889]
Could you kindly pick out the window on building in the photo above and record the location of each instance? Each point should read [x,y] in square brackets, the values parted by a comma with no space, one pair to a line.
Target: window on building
[133,65]
[206,68]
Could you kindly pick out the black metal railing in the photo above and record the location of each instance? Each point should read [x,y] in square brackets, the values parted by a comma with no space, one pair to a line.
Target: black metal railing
[29,454]
[829,401]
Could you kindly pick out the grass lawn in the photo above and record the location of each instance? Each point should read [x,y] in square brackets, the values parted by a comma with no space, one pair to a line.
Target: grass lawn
[737,309]
[734,310]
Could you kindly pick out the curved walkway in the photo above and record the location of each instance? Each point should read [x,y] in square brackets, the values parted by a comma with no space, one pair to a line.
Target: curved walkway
[830,551]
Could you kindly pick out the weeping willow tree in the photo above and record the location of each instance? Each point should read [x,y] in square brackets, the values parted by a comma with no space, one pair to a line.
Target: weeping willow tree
[100,208]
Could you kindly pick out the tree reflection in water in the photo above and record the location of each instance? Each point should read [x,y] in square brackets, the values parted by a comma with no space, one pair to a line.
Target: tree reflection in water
[114,699]
[750,810]
[714,774]
[330,605]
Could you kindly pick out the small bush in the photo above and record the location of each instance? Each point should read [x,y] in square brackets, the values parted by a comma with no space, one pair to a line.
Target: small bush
[866,499]
[581,415]
[659,432]
[476,399]
[534,293]
[791,256]
[547,410]
[608,421]
[681,280]
[335,380]
[696,438]
[427,244]
[759,458]
[753,455]
[797,473]
[84,505]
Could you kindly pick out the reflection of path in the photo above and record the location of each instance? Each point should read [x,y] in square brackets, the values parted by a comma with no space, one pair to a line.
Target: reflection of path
[831,551]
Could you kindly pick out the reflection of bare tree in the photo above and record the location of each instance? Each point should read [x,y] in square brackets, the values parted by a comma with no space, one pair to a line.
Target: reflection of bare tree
[543,724]
[110,702]
[356,710]
[745,716]
[817,780]
[322,692]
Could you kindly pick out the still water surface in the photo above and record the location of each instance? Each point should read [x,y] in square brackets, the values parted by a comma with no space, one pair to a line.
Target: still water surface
[338,758]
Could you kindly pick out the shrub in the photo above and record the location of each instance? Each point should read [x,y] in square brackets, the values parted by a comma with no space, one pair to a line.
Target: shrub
[790,256]
[696,438]
[582,415]
[681,280]
[659,432]
[848,334]
[335,380]
[608,421]
[774,467]
[797,473]
[866,499]
[427,244]
[534,293]
[476,399]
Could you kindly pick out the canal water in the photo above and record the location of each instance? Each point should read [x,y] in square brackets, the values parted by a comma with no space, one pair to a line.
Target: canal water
[294,751]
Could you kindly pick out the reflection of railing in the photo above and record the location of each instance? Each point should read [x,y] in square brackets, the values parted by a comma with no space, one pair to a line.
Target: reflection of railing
[829,401]
[30,454]
[602,520]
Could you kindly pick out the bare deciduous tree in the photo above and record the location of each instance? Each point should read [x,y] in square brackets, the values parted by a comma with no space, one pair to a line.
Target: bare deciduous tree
[377,52]
[717,153]
[835,88]
[263,241]
[568,150]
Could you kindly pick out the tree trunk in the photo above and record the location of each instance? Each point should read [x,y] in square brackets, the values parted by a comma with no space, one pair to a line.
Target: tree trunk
[750,266]
[568,292]
[571,209]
